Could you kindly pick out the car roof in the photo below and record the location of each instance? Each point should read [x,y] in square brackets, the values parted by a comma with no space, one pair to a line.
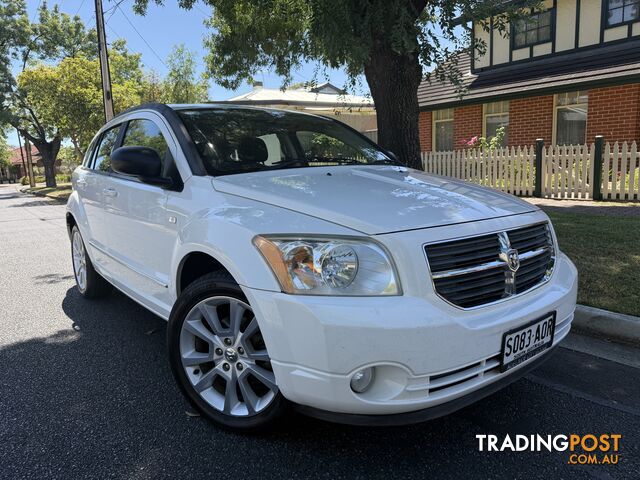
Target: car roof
[162,108]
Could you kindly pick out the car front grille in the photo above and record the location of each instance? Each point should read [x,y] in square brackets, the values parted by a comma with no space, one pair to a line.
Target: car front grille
[476,271]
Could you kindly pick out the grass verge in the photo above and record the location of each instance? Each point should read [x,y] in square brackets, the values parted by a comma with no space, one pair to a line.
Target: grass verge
[606,250]
[61,192]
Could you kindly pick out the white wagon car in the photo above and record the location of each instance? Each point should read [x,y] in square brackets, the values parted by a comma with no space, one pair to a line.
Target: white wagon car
[301,266]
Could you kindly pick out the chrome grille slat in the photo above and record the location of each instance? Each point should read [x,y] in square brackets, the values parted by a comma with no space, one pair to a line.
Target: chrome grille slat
[473,272]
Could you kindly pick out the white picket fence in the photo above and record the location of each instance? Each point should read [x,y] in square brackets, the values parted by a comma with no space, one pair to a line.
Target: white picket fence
[620,172]
[567,171]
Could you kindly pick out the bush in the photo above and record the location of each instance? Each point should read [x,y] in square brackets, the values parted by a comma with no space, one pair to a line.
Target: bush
[60,178]
[63,178]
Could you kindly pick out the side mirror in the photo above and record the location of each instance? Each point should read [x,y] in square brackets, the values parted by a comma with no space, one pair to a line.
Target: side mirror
[141,162]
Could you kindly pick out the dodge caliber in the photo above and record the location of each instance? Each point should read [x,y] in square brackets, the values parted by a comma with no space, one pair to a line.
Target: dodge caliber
[299,265]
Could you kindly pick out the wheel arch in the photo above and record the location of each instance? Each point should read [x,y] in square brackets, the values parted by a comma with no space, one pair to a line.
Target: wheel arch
[71,222]
[195,264]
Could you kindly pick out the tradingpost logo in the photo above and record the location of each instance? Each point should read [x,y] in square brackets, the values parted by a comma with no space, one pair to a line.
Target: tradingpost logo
[588,449]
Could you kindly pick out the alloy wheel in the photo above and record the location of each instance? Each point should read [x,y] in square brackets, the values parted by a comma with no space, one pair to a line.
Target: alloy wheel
[225,358]
[79,260]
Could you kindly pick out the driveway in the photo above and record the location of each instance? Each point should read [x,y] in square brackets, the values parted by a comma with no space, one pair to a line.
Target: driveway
[86,392]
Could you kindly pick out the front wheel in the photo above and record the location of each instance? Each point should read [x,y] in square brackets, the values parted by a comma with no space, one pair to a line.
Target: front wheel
[219,358]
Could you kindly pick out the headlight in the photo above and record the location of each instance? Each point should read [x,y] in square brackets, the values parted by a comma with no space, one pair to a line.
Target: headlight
[334,266]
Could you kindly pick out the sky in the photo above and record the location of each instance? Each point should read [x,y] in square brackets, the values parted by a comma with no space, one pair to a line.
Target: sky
[155,34]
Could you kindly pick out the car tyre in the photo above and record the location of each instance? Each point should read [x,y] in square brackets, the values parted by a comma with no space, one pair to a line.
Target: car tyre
[218,356]
[89,282]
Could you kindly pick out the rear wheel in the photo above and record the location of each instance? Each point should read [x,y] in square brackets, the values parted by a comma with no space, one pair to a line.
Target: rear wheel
[219,358]
[89,282]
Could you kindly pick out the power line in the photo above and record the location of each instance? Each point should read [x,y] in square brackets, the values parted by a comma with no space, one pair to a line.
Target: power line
[140,35]
[36,12]
[80,7]
[201,10]
[114,7]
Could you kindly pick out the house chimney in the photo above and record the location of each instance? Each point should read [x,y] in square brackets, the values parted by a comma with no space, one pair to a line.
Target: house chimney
[257,85]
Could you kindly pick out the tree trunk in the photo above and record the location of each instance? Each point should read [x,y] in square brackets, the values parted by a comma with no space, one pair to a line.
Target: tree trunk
[49,152]
[393,80]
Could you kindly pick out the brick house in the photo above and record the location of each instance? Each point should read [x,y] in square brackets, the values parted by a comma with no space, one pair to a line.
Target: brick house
[18,159]
[571,71]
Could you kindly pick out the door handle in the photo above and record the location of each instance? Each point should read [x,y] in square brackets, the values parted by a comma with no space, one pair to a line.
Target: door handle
[110,192]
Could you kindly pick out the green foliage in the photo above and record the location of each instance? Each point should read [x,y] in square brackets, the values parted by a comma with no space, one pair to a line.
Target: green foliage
[69,159]
[181,84]
[14,32]
[63,178]
[68,96]
[5,151]
[279,35]
[55,36]
[152,88]
[491,143]
[38,179]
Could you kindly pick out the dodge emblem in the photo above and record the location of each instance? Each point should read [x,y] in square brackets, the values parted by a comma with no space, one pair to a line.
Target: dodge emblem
[513,260]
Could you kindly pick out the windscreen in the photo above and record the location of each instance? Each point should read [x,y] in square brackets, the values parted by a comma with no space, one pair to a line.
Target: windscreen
[245,140]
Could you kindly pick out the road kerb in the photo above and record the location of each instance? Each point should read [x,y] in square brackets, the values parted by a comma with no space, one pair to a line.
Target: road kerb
[606,324]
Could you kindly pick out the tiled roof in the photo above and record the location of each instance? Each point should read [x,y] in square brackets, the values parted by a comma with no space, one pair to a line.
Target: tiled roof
[16,159]
[613,64]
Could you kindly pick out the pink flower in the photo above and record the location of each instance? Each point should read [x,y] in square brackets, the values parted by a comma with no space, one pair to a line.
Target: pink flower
[473,141]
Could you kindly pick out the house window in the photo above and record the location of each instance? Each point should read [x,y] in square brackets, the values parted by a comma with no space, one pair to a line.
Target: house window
[496,115]
[532,30]
[443,130]
[622,11]
[571,118]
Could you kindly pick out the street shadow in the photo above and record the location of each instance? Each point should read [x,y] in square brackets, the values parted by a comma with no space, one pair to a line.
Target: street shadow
[39,203]
[97,399]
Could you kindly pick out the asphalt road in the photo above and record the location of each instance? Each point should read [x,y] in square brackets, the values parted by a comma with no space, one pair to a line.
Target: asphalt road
[86,392]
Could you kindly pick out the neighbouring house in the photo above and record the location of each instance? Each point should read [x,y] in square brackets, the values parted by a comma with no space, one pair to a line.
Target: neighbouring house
[567,73]
[324,99]
[17,155]
[16,158]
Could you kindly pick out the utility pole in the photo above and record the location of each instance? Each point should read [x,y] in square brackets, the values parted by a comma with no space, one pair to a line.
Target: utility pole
[104,62]
[27,149]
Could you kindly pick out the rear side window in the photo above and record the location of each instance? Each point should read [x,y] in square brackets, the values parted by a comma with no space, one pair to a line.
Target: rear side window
[145,133]
[105,147]
[88,156]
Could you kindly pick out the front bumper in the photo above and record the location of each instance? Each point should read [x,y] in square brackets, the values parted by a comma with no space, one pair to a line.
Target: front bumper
[426,352]
[417,416]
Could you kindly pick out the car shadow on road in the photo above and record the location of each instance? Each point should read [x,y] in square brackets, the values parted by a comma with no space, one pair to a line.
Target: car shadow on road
[98,397]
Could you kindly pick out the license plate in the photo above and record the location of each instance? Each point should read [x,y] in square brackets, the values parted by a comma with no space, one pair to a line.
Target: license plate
[523,343]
